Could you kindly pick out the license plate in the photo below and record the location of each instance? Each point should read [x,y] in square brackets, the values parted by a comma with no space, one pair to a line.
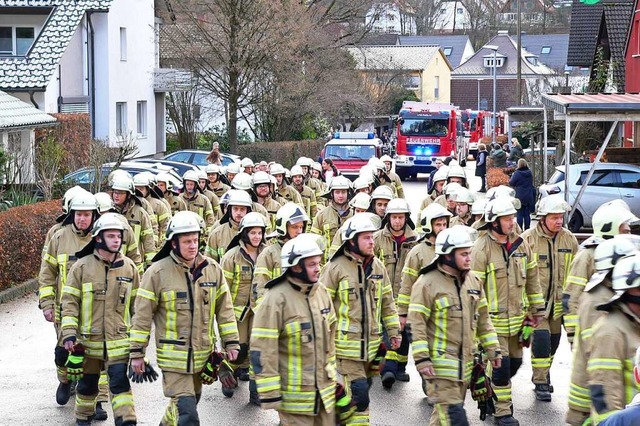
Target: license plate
[419,158]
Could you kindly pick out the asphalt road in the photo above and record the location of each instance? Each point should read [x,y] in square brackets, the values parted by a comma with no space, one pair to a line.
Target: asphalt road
[28,380]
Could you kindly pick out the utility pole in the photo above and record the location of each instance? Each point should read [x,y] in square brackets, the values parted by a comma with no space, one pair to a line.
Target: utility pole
[519,65]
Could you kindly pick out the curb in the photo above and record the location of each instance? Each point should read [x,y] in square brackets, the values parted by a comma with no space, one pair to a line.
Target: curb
[18,291]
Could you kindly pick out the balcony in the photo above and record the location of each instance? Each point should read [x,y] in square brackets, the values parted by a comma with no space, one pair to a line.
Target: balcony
[172,80]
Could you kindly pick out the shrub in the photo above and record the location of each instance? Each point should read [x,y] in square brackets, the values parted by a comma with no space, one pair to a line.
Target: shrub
[496,177]
[22,232]
[285,153]
[74,134]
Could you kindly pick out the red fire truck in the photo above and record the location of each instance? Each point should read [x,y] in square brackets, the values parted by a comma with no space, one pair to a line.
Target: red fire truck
[479,122]
[424,133]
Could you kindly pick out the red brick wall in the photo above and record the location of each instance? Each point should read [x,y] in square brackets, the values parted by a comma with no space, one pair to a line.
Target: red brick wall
[464,93]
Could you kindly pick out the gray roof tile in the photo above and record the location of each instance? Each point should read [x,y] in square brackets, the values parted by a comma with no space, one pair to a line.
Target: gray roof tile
[405,58]
[556,59]
[16,113]
[36,69]
[456,42]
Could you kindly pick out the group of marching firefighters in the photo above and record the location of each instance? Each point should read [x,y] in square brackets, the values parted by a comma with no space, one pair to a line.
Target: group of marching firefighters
[308,289]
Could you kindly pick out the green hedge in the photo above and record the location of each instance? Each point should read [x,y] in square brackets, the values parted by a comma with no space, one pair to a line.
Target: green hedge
[22,232]
[285,153]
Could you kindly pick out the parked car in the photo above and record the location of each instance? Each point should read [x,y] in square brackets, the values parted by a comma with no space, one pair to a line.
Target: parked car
[551,152]
[609,181]
[86,175]
[199,157]
[179,167]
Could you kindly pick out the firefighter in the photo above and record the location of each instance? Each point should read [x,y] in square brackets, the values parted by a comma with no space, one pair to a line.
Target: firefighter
[362,184]
[215,182]
[337,239]
[477,211]
[293,340]
[161,214]
[505,262]
[316,174]
[360,203]
[308,197]
[395,179]
[183,294]
[238,264]
[380,198]
[291,221]
[247,165]
[363,299]
[58,259]
[456,174]
[232,170]
[244,182]
[176,202]
[610,366]
[327,222]
[129,205]
[262,194]
[196,201]
[393,242]
[106,282]
[464,199]
[608,220]
[448,310]
[381,177]
[66,199]
[553,248]
[447,199]
[437,187]
[286,191]
[238,205]
[597,291]
[315,184]
[203,184]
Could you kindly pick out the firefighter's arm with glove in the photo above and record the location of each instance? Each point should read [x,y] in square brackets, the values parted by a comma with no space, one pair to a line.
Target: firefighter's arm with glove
[70,302]
[418,318]
[532,287]
[264,356]
[48,280]
[225,318]
[145,306]
[389,312]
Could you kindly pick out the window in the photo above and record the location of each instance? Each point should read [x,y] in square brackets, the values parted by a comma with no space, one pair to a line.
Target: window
[488,62]
[391,17]
[599,178]
[629,180]
[142,118]
[412,82]
[121,118]
[123,44]
[545,50]
[349,152]
[16,40]
[200,159]
[436,87]
[447,51]
[182,157]
[460,11]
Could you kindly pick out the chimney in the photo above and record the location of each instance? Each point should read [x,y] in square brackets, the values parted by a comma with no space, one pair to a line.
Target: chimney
[503,32]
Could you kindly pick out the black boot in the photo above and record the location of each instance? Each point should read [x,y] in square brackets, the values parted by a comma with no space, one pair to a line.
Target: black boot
[101,414]
[388,379]
[254,397]
[402,376]
[506,421]
[242,374]
[542,392]
[83,422]
[63,393]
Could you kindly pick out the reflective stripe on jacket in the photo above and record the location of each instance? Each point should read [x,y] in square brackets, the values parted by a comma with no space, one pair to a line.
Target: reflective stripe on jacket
[183,304]
[96,305]
[420,256]
[327,222]
[582,268]
[267,268]
[219,239]
[391,256]
[293,348]
[238,267]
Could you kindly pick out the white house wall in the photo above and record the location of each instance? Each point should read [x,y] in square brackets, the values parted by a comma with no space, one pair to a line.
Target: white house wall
[103,113]
[72,80]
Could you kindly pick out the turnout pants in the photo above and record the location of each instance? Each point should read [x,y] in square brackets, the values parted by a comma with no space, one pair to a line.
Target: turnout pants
[119,388]
[448,396]
[323,418]
[244,332]
[546,338]
[511,362]
[356,383]
[60,353]
[184,391]
[579,396]
[395,361]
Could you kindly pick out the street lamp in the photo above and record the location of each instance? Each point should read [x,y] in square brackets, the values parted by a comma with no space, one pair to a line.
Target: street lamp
[479,80]
[495,74]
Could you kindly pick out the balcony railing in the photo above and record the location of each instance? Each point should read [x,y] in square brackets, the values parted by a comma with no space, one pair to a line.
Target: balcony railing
[172,80]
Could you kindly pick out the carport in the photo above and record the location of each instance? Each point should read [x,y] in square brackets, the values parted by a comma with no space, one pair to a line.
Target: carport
[529,113]
[581,107]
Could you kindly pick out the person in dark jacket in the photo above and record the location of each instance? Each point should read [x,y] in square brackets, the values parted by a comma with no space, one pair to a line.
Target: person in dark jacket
[522,182]
[516,152]
[499,157]
[481,165]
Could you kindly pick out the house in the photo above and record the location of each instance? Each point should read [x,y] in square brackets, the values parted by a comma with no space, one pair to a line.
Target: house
[390,17]
[551,49]
[632,71]
[400,17]
[532,11]
[18,120]
[472,82]
[457,48]
[422,69]
[453,16]
[97,57]
[602,26]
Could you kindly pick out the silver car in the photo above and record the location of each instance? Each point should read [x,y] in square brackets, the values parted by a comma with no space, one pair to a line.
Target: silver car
[610,181]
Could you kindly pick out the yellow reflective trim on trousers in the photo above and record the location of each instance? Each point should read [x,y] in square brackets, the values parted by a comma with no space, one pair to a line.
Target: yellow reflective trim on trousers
[343,310]
[579,396]
[122,399]
[268,384]
[294,364]
[265,333]
[86,315]
[171,331]
[540,362]
[359,419]
[503,393]
[492,288]
[595,364]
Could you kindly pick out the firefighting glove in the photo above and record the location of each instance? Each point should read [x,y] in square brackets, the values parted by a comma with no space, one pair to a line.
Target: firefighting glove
[75,363]
[375,364]
[344,406]
[149,374]
[226,376]
[524,337]
[209,373]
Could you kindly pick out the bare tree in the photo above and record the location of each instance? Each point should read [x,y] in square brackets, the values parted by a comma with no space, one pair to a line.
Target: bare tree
[184,109]
[102,152]
[484,20]
[49,157]
[428,14]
